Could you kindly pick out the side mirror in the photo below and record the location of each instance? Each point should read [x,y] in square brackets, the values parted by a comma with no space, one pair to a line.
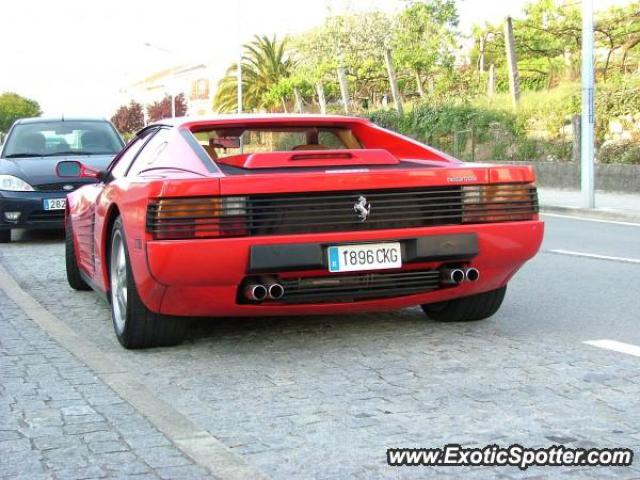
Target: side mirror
[73,168]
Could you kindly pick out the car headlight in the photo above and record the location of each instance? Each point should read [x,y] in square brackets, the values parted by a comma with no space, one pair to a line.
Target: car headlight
[14,184]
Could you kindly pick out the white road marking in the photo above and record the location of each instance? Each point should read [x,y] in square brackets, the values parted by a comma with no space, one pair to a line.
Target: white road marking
[593,255]
[615,346]
[586,219]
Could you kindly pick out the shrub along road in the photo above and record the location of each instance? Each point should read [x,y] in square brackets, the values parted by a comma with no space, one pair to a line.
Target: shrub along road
[324,397]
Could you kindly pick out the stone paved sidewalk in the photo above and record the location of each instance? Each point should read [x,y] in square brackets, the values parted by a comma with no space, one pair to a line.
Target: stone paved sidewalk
[57,420]
[609,205]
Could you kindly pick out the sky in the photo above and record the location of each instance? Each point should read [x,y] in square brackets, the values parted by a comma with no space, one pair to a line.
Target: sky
[75,57]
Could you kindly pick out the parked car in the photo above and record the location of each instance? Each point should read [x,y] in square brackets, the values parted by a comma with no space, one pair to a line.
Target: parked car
[32,196]
[291,215]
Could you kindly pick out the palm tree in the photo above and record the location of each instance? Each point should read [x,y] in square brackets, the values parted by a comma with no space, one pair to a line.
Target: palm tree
[264,65]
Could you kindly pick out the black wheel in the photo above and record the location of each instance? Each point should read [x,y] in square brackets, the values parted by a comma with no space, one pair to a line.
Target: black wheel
[5,236]
[135,325]
[73,272]
[466,309]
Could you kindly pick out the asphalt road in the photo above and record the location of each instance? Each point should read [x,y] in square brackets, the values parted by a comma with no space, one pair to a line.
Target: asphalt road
[579,297]
[323,397]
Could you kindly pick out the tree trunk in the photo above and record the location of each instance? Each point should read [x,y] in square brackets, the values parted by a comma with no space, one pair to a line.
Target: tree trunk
[514,77]
[568,66]
[419,84]
[344,89]
[299,101]
[284,105]
[491,82]
[481,57]
[395,91]
[321,100]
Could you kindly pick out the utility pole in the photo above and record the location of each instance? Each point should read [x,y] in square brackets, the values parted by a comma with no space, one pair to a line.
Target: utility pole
[587,181]
[239,81]
[395,91]
[514,76]
[239,17]
[172,83]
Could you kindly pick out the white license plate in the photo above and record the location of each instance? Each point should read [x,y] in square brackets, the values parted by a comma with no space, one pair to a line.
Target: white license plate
[366,256]
[55,203]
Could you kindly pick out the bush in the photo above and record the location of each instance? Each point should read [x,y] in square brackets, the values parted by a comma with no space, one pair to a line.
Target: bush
[620,152]
[543,112]
[534,132]
[437,125]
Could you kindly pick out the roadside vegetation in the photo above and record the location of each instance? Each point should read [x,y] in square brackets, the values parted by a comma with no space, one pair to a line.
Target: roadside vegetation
[456,98]
[415,72]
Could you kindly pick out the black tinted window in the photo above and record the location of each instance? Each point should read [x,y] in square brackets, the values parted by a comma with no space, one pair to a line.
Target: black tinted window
[62,138]
[121,166]
[150,153]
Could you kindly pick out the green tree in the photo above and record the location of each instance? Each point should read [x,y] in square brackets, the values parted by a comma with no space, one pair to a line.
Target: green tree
[548,42]
[129,119]
[265,63]
[425,38]
[13,107]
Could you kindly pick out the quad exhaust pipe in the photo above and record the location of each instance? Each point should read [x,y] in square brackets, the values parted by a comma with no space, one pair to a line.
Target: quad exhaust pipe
[472,274]
[452,276]
[258,292]
[455,276]
[275,290]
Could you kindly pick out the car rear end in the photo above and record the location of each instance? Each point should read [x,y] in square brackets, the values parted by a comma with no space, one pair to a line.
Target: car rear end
[333,240]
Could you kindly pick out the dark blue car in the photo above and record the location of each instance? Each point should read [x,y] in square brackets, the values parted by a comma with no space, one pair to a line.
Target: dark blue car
[32,196]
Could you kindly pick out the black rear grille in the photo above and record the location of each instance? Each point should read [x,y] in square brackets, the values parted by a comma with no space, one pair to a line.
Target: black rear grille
[311,213]
[342,288]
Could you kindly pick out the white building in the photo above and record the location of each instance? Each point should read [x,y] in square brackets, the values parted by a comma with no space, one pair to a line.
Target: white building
[195,81]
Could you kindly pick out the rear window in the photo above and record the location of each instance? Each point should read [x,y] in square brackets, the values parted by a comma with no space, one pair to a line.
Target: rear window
[225,142]
[62,138]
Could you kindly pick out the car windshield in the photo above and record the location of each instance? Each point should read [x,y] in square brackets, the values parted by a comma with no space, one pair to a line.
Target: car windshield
[47,139]
[224,142]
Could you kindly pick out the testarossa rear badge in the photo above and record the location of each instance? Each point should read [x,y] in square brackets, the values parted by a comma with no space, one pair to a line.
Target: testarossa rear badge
[465,178]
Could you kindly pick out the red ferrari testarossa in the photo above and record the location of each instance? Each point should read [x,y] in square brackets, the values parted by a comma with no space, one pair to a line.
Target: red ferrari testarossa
[293,215]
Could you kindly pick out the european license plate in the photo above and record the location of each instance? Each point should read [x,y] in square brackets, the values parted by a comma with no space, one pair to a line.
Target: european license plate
[55,203]
[367,256]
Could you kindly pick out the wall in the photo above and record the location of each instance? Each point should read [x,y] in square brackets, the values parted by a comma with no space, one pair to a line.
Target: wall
[566,175]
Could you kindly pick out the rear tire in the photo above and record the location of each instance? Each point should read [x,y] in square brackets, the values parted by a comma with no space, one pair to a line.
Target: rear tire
[466,309]
[135,325]
[5,236]
[74,278]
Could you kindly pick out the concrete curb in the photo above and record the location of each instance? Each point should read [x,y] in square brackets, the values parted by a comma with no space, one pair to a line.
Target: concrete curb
[593,213]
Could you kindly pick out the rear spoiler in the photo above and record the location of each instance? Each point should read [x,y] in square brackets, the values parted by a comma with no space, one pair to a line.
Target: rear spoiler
[311,158]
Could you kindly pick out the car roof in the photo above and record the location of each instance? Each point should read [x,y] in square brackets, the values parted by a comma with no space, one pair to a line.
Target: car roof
[259,118]
[59,119]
